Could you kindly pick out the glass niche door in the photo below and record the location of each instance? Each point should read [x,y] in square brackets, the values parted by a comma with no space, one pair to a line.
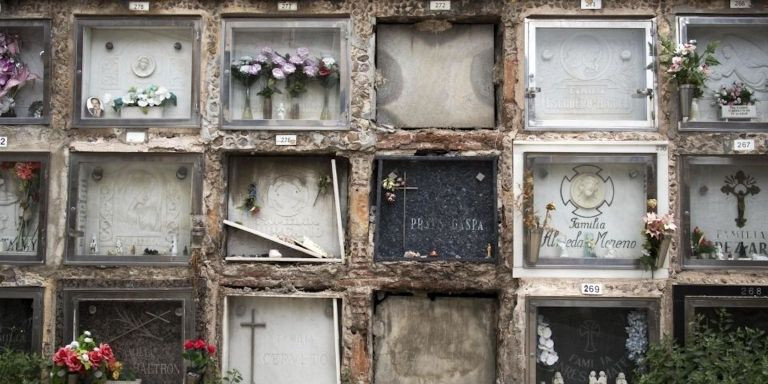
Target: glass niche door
[742,49]
[593,74]
[285,73]
[25,71]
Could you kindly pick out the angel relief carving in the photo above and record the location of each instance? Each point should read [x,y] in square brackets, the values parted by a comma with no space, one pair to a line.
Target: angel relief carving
[741,59]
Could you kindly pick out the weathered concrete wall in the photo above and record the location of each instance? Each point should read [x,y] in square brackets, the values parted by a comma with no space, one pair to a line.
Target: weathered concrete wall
[359,277]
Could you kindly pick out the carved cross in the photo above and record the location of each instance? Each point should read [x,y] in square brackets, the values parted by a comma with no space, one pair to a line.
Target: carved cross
[404,187]
[740,185]
[253,325]
[589,329]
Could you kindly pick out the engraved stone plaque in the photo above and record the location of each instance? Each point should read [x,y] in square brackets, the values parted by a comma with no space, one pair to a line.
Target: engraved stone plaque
[435,77]
[448,340]
[281,340]
[743,56]
[588,74]
[438,209]
[16,321]
[599,201]
[293,199]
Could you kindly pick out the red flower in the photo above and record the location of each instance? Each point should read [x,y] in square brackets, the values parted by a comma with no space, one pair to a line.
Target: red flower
[95,357]
[200,344]
[24,171]
[73,363]
[211,349]
[323,71]
[106,352]
[6,165]
[60,357]
[189,344]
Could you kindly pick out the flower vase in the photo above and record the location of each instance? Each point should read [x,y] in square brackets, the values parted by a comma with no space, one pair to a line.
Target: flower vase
[534,245]
[686,92]
[193,378]
[266,107]
[325,114]
[295,111]
[247,113]
[694,110]
[661,256]
[73,378]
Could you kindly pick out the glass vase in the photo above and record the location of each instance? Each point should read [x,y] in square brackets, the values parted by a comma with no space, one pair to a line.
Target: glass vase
[295,111]
[247,113]
[266,107]
[325,114]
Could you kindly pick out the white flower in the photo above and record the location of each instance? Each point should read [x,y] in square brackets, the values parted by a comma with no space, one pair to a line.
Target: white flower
[552,359]
[88,340]
[84,357]
[142,103]
[328,61]
[245,68]
[74,345]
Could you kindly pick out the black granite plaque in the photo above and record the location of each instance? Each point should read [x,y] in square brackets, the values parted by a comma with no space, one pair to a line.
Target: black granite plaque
[16,321]
[440,209]
[587,339]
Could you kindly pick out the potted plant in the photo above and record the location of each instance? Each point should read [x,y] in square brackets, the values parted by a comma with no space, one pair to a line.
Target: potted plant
[687,69]
[658,234]
[85,361]
[20,367]
[143,103]
[736,102]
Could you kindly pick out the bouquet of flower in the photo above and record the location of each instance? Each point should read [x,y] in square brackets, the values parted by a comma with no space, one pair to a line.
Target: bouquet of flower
[28,176]
[200,356]
[272,65]
[328,72]
[700,244]
[390,185]
[298,69]
[530,218]
[14,74]
[85,358]
[545,346]
[250,203]
[737,94]
[637,337]
[247,70]
[144,98]
[685,65]
[657,229]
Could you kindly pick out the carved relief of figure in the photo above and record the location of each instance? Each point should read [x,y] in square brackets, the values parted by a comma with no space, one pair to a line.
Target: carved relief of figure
[592,377]
[743,59]
[144,208]
[144,66]
[119,247]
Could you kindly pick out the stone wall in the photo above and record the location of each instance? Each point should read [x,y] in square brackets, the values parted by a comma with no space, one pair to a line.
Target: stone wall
[358,278]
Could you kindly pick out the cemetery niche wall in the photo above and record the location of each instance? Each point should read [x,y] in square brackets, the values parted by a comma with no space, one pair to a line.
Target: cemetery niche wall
[26,70]
[146,328]
[133,208]
[724,223]
[434,340]
[283,339]
[582,206]
[742,50]
[578,340]
[286,208]
[285,73]
[446,66]
[589,74]
[747,305]
[436,208]
[137,72]
[21,318]
[23,206]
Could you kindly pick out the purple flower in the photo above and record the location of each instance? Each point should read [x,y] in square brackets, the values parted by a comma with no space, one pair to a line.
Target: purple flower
[303,52]
[279,60]
[267,51]
[254,69]
[262,58]
[296,60]
[310,71]
[289,68]
[277,73]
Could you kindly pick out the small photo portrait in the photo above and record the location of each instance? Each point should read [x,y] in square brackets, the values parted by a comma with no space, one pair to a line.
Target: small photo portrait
[94,107]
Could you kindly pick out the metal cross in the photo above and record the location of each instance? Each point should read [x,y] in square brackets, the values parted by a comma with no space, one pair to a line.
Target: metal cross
[405,189]
[740,185]
[253,325]
[589,329]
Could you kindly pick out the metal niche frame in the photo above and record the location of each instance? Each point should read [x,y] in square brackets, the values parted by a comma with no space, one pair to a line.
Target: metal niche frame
[686,163]
[45,159]
[130,22]
[193,160]
[229,27]
[713,21]
[649,159]
[651,120]
[36,294]
[533,303]
[45,26]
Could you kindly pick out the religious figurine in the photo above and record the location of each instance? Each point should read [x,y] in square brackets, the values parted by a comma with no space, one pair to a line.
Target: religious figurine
[93,104]
[719,252]
[561,246]
[185,252]
[558,379]
[281,111]
[275,253]
[611,254]
[621,379]
[603,379]
[94,247]
[133,249]
[589,245]
[119,247]
[174,247]
[592,377]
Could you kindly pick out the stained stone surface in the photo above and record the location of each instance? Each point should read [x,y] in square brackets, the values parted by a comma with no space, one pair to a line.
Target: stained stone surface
[743,55]
[447,206]
[446,340]
[435,79]
[142,204]
[141,56]
[291,203]
[16,324]
[295,345]
[147,336]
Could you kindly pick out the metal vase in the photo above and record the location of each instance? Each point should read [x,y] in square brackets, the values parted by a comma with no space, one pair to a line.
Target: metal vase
[534,245]
[686,98]
[193,378]
[661,257]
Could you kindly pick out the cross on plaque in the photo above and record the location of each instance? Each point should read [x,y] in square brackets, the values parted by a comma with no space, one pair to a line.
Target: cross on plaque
[589,329]
[404,187]
[253,325]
